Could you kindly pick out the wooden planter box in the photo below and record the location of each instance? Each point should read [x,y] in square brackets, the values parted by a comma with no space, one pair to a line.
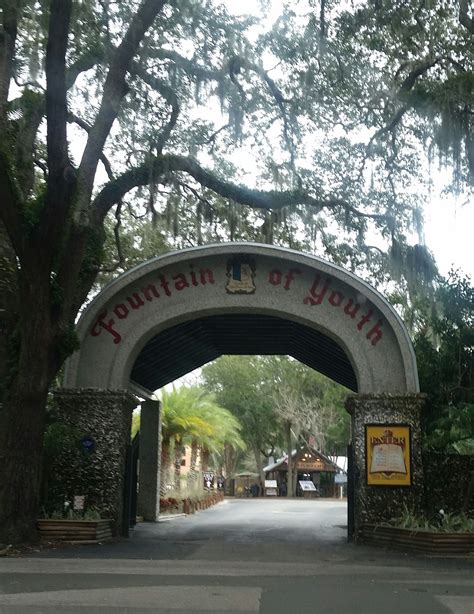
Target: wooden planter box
[91,531]
[416,540]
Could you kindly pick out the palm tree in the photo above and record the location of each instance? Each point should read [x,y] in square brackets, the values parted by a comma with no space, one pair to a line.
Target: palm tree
[192,416]
[180,419]
[225,432]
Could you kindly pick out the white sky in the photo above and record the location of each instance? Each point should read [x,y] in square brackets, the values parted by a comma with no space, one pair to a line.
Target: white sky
[449,228]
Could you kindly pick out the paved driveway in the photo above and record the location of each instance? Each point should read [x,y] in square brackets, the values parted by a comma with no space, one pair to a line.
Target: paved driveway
[259,556]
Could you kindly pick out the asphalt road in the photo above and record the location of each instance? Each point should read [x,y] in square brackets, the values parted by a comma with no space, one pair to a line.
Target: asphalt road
[263,556]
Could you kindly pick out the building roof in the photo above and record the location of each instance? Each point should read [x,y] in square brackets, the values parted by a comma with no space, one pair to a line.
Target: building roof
[281,461]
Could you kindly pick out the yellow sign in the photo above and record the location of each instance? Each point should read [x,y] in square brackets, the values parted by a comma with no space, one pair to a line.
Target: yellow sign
[388,455]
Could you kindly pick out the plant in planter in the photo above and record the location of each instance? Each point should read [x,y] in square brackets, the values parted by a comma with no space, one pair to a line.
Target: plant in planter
[439,534]
[75,526]
[169,505]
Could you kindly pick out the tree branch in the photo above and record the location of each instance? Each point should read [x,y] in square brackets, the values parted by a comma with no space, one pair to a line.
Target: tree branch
[8,32]
[165,165]
[61,177]
[418,70]
[118,242]
[33,109]
[464,18]
[83,64]
[56,102]
[406,86]
[168,94]
[85,126]
[114,90]
[10,200]
[200,72]
[234,67]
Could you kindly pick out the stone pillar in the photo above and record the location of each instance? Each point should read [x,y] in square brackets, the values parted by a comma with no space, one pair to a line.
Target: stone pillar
[150,461]
[99,422]
[374,504]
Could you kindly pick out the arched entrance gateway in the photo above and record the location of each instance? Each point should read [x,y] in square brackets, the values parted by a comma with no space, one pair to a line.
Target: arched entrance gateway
[174,313]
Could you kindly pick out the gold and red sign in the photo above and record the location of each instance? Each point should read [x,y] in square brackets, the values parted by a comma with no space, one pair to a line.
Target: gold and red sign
[388,455]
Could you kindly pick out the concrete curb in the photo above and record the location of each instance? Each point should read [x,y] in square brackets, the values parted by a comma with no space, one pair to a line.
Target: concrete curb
[170,517]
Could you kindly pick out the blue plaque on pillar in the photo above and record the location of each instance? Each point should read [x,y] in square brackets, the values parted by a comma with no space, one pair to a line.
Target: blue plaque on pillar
[88,444]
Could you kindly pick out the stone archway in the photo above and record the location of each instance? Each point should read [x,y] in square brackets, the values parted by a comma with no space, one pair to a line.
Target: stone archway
[176,312]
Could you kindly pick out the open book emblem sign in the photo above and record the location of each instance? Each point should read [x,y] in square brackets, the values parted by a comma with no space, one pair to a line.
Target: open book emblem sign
[388,455]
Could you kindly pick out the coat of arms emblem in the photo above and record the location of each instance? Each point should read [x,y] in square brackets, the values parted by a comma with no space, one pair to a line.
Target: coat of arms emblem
[240,276]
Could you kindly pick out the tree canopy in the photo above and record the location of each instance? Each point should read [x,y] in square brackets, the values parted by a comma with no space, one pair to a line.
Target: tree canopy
[312,130]
[444,347]
[267,392]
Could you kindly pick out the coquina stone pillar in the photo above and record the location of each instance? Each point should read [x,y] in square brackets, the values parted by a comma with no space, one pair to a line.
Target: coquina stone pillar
[150,459]
[100,422]
[378,503]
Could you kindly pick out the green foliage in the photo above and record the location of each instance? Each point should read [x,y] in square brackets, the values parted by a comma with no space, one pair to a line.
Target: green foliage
[135,424]
[240,384]
[445,355]
[453,430]
[443,523]
[424,53]
[33,208]
[249,387]
[284,106]
[68,513]
[94,255]
[69,343]
[190,413]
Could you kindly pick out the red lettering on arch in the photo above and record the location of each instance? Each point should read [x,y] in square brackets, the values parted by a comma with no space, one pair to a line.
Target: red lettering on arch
[181,281]
[121,311]
[316,298]
[336,298]
[107,325]
[274,277]
[149,291]
[135,301]
[203,273]
[351,308]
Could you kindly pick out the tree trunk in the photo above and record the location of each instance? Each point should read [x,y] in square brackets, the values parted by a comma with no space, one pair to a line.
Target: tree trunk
[178,455]
[165,466]
[259,465]
[22,420]
[230,460]
[205,454]
[8,304]
[21,444]
[192,475]
[289,479]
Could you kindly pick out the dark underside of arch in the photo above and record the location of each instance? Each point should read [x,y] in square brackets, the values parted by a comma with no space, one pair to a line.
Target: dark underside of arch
[182,348]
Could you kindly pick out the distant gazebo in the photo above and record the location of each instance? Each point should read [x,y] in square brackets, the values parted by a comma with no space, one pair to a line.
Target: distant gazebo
[311,466]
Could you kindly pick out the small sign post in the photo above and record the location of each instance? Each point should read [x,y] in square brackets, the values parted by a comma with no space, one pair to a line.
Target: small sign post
[88,444]
[79,503]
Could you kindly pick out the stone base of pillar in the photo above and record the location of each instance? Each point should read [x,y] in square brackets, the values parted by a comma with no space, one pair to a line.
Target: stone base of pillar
[374,504]
[99,421]
[150,461]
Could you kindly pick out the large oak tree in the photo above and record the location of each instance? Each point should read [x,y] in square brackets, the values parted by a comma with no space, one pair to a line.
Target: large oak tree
[165,107]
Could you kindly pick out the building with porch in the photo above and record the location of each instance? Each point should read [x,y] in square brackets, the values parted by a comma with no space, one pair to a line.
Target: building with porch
[311,466]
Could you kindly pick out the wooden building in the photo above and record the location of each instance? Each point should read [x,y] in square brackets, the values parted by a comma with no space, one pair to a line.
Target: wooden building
[311,466]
